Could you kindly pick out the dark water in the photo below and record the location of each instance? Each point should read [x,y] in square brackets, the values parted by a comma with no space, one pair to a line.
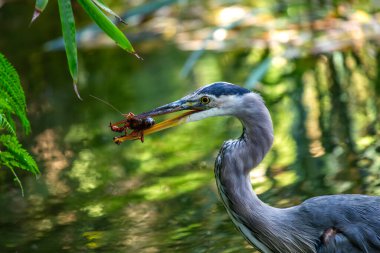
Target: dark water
[95,196]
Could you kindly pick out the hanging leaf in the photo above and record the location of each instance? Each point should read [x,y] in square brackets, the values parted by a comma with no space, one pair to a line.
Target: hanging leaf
[105,8]
[107,26]
[68,31]
[38,9]
[93,29]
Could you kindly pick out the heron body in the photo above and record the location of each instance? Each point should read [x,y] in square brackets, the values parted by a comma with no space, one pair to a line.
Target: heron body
[325,224]
[338,223]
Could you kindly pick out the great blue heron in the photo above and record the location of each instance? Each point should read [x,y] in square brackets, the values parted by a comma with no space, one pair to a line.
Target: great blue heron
[325,224]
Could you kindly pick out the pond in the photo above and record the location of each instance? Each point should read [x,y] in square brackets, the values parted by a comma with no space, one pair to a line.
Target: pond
[95,196]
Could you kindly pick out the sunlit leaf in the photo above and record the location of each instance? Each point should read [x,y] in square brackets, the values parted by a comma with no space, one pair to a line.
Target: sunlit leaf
[39,8]
[105,8]
[68,31]
[107,26]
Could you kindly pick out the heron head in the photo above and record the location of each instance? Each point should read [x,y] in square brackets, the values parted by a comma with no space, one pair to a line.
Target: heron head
[216,99]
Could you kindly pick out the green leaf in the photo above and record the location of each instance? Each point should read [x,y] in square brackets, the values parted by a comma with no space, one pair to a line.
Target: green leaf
[4,103]
[68,31]
[12,102]
[107,26]
[39,8]
[105,8]
[11,91]
[15,155]
[5,124]
[5,157]
[10,82]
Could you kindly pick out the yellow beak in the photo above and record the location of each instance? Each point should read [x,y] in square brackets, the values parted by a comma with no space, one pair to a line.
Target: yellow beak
[139,134]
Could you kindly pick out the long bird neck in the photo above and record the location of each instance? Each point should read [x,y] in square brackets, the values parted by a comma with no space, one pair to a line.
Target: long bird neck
[234,162]
[258,222]
[238,157]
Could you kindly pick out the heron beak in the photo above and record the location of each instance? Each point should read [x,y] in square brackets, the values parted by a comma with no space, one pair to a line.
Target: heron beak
[177,106]
[180,105]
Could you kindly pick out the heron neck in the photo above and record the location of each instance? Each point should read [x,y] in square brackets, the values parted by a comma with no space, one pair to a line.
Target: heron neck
[238,157]
[257,221]
[235,160]
[256,140]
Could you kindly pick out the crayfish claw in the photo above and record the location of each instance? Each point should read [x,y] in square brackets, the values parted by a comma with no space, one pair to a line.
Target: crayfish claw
[116,140]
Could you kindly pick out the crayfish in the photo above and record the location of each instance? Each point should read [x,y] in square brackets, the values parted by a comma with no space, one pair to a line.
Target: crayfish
[131,122]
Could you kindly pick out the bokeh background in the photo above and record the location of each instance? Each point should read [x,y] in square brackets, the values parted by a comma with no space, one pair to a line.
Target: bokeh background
[316,63]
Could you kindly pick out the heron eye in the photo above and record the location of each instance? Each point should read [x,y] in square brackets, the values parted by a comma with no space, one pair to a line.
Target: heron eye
[205,100]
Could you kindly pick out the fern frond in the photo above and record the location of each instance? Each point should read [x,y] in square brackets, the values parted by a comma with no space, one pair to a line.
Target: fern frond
[11,76]
[5,159]
[17,180]
[5,124]
[15,155]
[11,89]
[24,122]
[10,120]
[6,121]
[4,104]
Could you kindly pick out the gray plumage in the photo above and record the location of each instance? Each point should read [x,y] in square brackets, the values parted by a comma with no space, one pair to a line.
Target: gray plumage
[326,224]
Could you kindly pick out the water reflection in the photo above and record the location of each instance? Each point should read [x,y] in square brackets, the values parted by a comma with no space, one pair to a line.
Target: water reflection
[96,196]
[51,156]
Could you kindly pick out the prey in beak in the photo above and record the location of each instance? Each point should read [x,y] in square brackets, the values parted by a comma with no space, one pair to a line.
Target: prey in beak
[135,127]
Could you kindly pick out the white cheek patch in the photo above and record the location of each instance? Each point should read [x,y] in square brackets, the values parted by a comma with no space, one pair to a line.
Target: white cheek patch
[205,114]
[224,105]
